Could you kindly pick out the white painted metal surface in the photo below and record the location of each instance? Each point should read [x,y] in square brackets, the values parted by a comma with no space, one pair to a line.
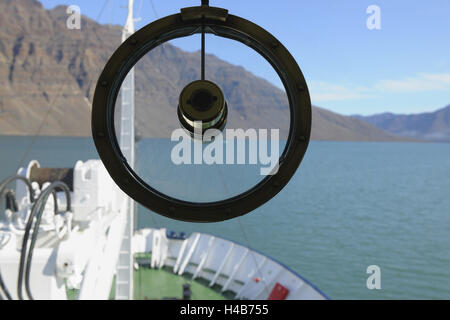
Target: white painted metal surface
[42,274]
[85,253]
[124,274]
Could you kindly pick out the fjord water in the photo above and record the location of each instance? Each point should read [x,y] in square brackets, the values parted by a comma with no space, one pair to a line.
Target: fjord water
[350,205]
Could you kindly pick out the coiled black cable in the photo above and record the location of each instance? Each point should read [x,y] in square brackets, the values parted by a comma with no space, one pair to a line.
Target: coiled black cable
[36,212]
[4,289]
[7,181]
[3,193]
[34,237]
[24,247]
[11,201]
[54,187]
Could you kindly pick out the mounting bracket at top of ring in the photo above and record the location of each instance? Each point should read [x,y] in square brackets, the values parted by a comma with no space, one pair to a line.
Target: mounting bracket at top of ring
[207,13]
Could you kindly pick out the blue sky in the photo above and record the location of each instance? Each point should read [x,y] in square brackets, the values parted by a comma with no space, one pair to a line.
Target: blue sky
[402,68]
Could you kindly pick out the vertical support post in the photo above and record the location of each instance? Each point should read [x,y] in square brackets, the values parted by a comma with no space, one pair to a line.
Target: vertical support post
[124,274]
[204,3]
[203,53]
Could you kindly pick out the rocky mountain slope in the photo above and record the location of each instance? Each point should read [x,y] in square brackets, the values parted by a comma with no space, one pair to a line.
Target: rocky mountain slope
[432,126]
[48,75]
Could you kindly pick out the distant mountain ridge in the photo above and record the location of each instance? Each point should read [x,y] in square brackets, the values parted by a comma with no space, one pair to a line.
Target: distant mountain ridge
[429,126]
[48,72]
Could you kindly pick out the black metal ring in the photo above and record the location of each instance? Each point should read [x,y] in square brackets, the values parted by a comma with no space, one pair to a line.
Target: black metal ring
[188,22]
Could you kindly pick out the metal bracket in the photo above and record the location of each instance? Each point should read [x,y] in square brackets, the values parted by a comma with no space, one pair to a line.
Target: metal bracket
[204,12]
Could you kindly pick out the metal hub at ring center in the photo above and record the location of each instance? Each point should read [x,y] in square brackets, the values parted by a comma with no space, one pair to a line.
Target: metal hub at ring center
[202,106]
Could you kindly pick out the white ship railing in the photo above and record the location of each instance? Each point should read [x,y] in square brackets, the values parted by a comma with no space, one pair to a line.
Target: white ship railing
[236,268]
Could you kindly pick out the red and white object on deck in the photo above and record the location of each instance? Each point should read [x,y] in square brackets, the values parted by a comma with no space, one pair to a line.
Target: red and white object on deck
[279,292]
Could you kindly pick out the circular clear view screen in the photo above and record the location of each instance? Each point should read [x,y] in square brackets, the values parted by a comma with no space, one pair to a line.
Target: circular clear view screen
[203,141]
[214,141]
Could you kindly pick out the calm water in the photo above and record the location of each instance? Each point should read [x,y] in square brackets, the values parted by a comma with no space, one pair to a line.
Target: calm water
[349,206]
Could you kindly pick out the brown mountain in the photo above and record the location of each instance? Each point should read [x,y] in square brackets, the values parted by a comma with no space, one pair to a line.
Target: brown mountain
[431,126]
[48,75]
[327,124]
